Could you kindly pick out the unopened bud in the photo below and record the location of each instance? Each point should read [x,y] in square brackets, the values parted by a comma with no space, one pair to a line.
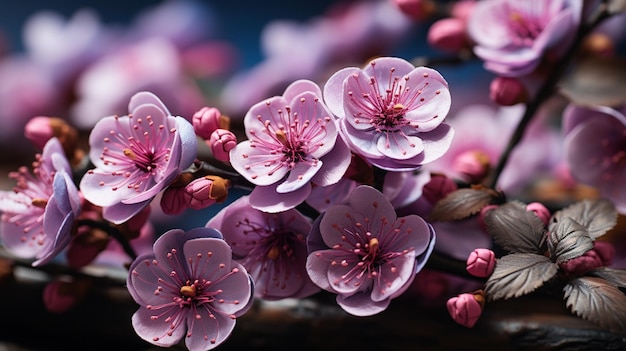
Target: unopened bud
[507,91]
[540,210]
[466,308]
[221,142]
[173,200]
[59,296]
[474,165]
[481,262]
[438,187]
[207,120]
[463,9]
[38,130]
[448,34]
[204,192]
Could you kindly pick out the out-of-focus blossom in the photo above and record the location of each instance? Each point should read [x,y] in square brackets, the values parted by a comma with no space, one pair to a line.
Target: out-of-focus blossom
[481,262]
[149,65]
[61,296]
[189,288]
[206,191]
[292,143]
[221,142]
[507,91]
[594,149]
[305,50]
[512,36]
[391,112]
[466,308]
[538,150]
[463,9]
[365,254]
[418,10]
[448,34]
[272,247]
[38,215]
[173,200]
[136,156]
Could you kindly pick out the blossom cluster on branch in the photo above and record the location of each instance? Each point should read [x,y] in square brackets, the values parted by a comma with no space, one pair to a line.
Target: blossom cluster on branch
[360,182]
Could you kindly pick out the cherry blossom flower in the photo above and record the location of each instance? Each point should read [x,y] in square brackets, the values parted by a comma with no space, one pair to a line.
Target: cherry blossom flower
[594,149]
[391,112]
[136,156]
[365,254]
[188,288]
[292,143]
[272,247]
[38,215]
[512,36]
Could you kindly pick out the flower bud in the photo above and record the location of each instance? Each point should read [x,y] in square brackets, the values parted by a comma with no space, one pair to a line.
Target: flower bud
[463,9]
[59,296]
[507,91]
[540,210]
[483,212]
[173,200]
[86,245]
[418,10]
[38,130]
[598,44]
[204,192]
[207,120]
[41,128]
[448,34]
[438,187]
[600,255]
[221,142]
[474,165]
[481,263]
[466,308]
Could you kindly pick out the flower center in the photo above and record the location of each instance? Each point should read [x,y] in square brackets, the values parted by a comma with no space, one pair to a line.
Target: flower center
[188,290]
[524,25]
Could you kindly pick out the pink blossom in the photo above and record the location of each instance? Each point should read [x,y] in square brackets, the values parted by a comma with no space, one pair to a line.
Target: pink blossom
[595,138]
[292,143]
[136,156]
[513,36]
[365,254]
[391,112]
[272,247]
[189,288]
[38,215]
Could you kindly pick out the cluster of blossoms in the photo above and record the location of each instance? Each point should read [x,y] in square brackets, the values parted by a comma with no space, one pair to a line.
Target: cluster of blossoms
[349,187]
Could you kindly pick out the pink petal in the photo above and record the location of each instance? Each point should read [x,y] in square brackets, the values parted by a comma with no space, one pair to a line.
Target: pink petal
[267,199]
[361,304]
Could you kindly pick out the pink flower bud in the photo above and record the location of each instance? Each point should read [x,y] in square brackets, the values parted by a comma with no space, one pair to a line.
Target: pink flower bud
[204,192]
[466,308]
[221,142]
[38,130]
[600,255]
[59,297]
[474,165]
[481,263]
[438,187]
[448,34]
[507,91]
[207,120]
[418,10]
[605,250]
[483,212]
[540,210]
[173,200]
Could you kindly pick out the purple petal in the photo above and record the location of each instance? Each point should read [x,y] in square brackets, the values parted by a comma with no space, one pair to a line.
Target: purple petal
[256,164]
[399,147]
[336,164]
[299,176]
[361,304]
[188,142]
[120,212]
[301,86]
[395,277]
[207,332]
[431,101]
[267,199]
[317,267]
[148,328]
[333,90]
[236,289]
[146,98]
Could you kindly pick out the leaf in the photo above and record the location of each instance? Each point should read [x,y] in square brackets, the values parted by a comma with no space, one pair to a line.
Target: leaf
[613,276]
[516,229]
[519,274]
[598,216]
[463,203]
[568,240]
[596,81]
[598,301]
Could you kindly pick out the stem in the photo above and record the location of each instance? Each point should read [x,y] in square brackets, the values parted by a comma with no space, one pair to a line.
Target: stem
[547,89]
[236,179]
[111,231]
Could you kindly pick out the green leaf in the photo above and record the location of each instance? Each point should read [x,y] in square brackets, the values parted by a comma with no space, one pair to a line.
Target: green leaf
[516,229]
[519,274]
[598,301]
